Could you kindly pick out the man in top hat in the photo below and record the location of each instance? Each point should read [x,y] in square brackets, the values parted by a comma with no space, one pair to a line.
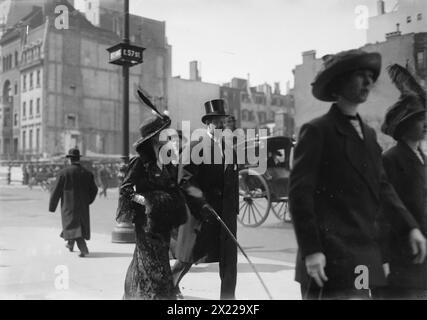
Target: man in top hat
[406,167]
[210,185]
[338,186]
[76,188]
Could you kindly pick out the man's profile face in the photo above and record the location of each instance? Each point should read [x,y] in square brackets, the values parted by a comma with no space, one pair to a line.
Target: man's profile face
[356,86]
[230,123]
[216,122]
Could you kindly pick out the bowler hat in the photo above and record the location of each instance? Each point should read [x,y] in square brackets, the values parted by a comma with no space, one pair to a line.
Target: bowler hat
[214,108]
[403,110]
[342,63]
[73,153]
[150,127]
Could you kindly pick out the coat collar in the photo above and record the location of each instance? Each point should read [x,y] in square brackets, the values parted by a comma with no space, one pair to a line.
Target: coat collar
[343,124]
[410,153]
[360,153]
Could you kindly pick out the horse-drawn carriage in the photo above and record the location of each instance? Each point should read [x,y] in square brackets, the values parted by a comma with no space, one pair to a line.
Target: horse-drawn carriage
[262,192]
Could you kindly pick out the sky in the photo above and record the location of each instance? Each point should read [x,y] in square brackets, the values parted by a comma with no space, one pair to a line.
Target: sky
[260,38]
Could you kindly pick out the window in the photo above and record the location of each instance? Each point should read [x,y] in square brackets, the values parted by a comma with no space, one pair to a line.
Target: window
[16,88]
[24,109]
[38,139]
[16,59]
[420,59]
[30,138]
[89,5]
[419,16]
[38,106]
[71,121]
[15,119]
[24,83]
[38,79]
[24,140]
[31,108]
[408,19]
[31,80]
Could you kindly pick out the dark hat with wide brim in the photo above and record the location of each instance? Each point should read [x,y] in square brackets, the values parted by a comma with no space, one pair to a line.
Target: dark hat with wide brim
[342,63]
[73,153]
[150,127]
[214,108]
[406,108]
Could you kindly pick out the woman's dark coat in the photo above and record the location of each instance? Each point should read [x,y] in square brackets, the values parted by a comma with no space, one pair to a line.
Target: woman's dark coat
[337,188]
[76,188]
[149,275]
[408,176]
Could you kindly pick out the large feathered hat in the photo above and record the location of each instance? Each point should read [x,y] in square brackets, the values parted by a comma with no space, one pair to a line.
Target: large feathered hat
[412,101]
[152,125]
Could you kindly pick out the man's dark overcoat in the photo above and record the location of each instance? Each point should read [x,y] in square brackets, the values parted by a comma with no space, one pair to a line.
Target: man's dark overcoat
[219,185]
[76,188]
[337,188]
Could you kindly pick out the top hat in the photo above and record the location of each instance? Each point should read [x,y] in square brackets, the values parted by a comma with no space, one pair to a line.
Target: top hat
[403,110]
[73,153]
[214,108]
[342,63]
[150,127]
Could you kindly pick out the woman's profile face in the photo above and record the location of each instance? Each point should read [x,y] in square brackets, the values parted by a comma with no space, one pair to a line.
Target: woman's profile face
[416,128]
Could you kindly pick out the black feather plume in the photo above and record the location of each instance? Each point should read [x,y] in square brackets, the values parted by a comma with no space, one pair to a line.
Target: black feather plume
[143,99]
[405,82]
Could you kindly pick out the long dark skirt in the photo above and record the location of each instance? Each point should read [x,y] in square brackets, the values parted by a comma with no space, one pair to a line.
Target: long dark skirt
[149,275]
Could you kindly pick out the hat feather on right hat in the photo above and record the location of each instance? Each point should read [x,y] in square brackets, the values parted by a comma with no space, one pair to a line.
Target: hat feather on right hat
[411,103]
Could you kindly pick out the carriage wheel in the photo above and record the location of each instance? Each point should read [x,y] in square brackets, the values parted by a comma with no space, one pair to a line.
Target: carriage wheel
[254,198]
[281,210]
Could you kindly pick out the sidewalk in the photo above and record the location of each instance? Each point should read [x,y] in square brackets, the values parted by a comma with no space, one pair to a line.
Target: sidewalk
[34,264]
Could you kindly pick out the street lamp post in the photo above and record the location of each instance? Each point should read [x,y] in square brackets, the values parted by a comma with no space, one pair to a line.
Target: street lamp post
[126,55]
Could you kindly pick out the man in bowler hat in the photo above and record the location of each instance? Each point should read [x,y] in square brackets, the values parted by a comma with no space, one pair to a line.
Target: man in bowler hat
[338,187]
[76,188]
[210,186]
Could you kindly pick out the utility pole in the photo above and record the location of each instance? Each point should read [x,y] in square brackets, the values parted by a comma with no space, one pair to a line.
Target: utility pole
[126,55]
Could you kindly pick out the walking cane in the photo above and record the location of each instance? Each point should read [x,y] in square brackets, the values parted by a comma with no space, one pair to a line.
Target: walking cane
[241,249]
[141,200]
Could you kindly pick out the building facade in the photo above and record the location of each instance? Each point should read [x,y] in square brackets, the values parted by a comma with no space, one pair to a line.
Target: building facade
[260,107]
[61,91]
[408,16]
[409,50]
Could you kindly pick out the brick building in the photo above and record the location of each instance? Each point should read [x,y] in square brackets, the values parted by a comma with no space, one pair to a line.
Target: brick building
[58,89]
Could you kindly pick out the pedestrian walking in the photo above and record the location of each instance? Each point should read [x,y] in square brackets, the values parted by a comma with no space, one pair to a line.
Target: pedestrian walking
[210,185]
[338,186]
[161,207]
[406,167]
[76,188]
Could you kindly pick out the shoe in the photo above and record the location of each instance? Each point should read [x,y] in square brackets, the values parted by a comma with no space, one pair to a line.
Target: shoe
[178,293]
[83,254]
[69,247]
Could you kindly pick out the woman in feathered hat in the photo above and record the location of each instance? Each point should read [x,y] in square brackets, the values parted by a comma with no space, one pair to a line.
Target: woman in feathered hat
[149,194]
[406,165]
